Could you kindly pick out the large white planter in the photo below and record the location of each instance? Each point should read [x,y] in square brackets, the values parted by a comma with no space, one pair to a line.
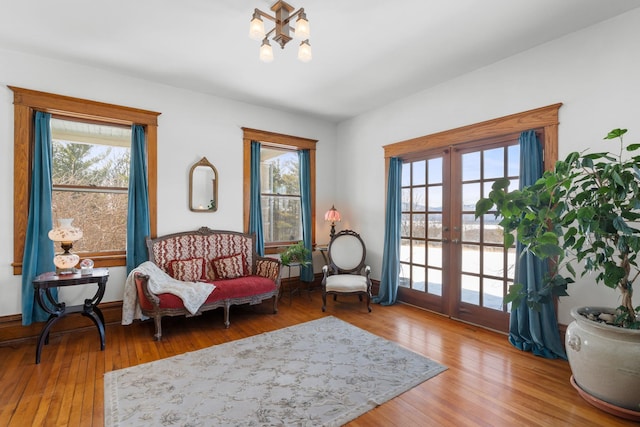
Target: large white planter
[604,359]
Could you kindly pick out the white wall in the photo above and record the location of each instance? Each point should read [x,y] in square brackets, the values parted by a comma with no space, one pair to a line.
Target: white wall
[191,125]
[593,72]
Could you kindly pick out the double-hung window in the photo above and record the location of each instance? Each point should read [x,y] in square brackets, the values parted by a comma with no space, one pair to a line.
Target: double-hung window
[280,191]
[88,170]
[280,195]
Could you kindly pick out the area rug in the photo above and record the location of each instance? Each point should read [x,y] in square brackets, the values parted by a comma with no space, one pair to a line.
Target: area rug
[321,373]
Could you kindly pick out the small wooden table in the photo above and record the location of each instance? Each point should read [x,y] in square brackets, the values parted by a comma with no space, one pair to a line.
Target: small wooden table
[57,310]
[290,282]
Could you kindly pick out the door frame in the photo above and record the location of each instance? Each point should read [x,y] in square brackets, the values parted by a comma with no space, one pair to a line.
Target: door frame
[545,119]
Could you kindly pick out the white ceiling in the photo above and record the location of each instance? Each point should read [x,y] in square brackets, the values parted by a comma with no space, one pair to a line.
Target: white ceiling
[366,53]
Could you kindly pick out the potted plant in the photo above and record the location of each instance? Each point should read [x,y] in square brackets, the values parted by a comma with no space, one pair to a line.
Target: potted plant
[582,217]
[296,254]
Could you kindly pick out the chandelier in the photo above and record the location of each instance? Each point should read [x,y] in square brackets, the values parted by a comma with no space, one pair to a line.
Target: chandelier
[283,15]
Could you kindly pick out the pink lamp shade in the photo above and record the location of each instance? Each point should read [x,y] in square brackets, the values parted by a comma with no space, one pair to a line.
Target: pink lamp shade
[332,216]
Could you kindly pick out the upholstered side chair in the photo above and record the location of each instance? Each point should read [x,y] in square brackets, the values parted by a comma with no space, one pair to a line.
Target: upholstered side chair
[346,273]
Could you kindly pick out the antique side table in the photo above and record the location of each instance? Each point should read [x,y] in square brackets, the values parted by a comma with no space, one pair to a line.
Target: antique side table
[57,310]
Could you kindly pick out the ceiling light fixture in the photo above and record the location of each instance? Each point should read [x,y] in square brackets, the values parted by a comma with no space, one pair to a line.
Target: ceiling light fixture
[283,15]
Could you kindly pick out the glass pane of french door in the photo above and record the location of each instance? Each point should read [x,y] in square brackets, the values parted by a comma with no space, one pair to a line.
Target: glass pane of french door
[450,262]
[422,261]
[486,268]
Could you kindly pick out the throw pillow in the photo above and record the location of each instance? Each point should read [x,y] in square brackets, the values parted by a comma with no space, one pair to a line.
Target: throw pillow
[187,270]
[228,267]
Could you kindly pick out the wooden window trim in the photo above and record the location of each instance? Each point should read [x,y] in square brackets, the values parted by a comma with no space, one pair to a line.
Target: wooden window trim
[26,103]
[280,141]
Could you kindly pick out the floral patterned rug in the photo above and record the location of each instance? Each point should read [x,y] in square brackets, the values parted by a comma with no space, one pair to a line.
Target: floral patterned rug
[321,373]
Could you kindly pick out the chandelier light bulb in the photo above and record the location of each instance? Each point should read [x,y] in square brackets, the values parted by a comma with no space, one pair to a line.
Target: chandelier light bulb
[256,28]
[266,51]
[304,51]
[301,31]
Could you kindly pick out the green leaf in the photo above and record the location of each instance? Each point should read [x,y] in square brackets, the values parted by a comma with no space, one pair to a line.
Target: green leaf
[620,225]
[501,184]
[508,240]
[587,162]
[483,206]
[547,250]
[617,178]
[515,295]
[548,238]
[615,133]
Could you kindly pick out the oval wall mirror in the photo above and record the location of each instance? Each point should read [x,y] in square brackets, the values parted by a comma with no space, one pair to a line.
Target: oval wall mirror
[203,187]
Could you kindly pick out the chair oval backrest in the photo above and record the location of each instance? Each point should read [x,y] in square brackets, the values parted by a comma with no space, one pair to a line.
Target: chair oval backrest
[347,251]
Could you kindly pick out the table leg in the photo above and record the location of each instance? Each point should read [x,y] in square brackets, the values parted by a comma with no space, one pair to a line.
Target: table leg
[43,338]
[54,315]
[95,314]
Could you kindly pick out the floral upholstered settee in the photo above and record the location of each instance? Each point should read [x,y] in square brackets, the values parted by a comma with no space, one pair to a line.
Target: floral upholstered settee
[225,259]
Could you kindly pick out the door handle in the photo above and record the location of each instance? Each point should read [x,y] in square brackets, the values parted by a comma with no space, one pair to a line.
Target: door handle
[456,241]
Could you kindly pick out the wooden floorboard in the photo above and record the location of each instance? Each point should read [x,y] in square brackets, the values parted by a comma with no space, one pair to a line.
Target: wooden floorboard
[488,382]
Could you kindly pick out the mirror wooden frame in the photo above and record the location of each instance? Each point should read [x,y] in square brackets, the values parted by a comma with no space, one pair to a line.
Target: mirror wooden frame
[213,204]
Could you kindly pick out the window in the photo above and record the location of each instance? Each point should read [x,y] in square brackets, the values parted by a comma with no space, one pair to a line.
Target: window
[90,171]
[280,195]
[96,116]
[280,186]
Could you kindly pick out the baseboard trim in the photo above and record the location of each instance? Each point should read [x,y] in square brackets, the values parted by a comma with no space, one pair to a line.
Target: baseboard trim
[11,328]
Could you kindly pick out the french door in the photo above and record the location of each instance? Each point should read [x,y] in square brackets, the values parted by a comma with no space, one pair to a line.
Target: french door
[449,261]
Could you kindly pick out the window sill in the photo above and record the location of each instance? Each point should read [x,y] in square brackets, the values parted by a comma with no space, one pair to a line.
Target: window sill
[105,260]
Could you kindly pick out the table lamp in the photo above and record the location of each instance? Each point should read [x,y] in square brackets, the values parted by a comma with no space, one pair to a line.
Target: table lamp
[66,234]
[332,216]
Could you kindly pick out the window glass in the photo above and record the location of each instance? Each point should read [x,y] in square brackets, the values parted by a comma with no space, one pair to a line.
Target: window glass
[280,190]
[90,171]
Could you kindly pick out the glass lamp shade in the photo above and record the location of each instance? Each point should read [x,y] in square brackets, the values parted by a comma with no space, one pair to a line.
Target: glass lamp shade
[256,28]
[66,261]
[304,51]
[332,215]
[65,232]
[301,31]
[266,51]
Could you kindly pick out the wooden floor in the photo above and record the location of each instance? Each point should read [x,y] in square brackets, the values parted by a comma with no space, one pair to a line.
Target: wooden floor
[488,383]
